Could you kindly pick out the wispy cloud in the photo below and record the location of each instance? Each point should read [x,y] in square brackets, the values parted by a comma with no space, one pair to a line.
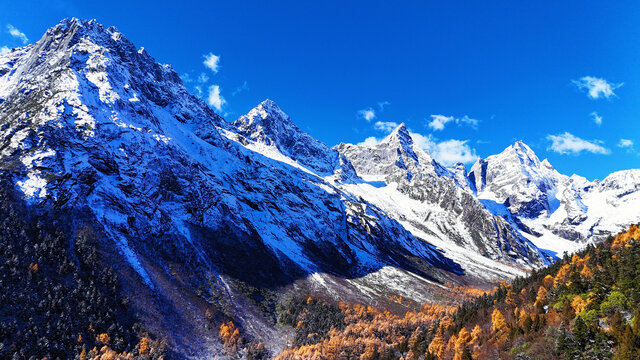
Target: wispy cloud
[239,89]
[447,152]
[4,50]
[186,78]
[198,90]
[203,78]
[438,122]
[625,144]
[215,99]
[382,105]
[596,87]
[567,143]
[386,126]
[212,62]
[596,118]
[13,31]
[367,114]
[370,141]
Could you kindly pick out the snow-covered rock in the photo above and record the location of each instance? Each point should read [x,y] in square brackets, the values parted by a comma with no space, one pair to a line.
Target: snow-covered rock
[556,212]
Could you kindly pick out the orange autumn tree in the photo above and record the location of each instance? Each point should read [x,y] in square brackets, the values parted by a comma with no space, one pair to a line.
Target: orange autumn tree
[498,322]
[230,337]
[463,340]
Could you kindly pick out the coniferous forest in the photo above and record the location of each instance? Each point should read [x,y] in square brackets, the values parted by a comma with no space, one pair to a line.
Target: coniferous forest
[60,299]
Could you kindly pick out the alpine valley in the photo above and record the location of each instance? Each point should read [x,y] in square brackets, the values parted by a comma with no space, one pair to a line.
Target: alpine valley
[192,231]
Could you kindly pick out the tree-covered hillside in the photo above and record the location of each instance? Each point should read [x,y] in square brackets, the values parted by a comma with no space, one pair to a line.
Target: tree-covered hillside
[59,298]
[582,307]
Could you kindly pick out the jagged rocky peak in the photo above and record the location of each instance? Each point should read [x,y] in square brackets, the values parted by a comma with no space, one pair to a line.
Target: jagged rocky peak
[519,152]
[517,178]
[80,68]
[267,124]
[458,168]
[400,135]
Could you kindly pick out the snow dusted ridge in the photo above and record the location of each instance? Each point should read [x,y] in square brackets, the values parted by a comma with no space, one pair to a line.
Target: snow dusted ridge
[91,123]
[556,212]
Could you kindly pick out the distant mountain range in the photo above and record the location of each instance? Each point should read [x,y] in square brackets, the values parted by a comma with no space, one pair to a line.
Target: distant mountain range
[201,206]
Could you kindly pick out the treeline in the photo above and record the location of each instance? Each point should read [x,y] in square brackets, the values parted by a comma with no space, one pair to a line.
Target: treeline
[59,299]
[582,307]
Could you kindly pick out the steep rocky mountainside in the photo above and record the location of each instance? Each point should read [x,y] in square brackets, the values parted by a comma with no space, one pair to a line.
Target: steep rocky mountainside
[225,218]
[557,212]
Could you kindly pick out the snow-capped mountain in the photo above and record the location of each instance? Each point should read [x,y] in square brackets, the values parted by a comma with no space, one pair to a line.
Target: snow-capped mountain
[557,212]
[197,205]
[434,202]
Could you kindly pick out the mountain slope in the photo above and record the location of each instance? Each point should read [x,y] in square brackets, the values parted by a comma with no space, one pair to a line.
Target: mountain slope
[583,307]
[91,124]
[434,202]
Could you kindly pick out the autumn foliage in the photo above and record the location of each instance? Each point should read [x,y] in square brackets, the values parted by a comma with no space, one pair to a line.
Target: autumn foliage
[584,306]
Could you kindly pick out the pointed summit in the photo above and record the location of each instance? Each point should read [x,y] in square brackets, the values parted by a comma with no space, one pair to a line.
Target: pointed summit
[269,117]
[399,134]
[269,125]
[266,123]
[519,152]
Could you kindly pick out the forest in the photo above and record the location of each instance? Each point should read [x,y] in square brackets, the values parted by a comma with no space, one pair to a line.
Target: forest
[60,298]
[581,307]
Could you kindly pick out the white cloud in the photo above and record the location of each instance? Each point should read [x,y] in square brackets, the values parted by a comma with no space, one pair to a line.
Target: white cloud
[215,99]
[240,89]
[198,90]
[370,141]
[596,87]
[203,78]
[447,152]
[4,50]
[212,62]
[596,118]
[569,144]
[386,126]
[17,34]
[439,121]
[454,151]
[186,78]
[383,104]
[368,114]
[625,143]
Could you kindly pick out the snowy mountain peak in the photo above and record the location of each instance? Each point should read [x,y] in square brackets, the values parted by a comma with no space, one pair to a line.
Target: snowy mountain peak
[522,152]
[76,29]
[269,117]
[459,168]
[268,125]
[399,135]
[518,179]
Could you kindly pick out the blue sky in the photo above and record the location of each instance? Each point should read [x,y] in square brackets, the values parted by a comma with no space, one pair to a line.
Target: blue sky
[468,78]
